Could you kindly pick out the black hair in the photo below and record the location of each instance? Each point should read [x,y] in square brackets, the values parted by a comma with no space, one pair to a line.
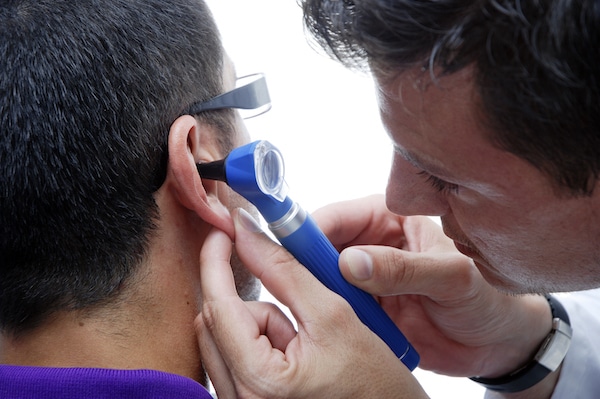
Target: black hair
[536,66]
[88,90]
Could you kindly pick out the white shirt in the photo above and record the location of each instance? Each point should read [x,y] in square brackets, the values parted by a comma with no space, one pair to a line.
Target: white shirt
[580,374]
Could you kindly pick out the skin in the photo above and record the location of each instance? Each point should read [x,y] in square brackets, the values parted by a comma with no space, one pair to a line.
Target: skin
[253,351]
[467,314]
[152,326]
[524,235]
[459,324]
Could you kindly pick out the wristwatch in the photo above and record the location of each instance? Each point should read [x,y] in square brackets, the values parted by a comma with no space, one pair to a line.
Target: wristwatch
[547,359]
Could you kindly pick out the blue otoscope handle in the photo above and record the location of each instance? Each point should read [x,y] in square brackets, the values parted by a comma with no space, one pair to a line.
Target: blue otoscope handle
[311,247]
[255,171]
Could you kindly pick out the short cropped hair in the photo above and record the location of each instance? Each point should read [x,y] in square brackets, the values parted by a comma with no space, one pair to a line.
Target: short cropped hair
[535,62]
[88,91]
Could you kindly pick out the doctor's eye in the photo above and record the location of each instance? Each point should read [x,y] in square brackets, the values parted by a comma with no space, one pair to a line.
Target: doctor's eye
[440,185]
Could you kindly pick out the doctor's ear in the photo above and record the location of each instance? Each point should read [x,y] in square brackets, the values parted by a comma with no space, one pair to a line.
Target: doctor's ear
[189,143]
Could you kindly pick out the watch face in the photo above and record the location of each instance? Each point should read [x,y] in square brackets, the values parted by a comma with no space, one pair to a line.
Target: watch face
[555,346]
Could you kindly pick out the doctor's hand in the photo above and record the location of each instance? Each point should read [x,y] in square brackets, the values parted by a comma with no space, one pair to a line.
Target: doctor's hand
[251,349]
[459,324]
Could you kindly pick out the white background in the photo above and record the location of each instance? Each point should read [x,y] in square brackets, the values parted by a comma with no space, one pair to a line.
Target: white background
[324,120]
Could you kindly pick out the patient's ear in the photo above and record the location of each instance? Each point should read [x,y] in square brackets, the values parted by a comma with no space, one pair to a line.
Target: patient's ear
[189,143]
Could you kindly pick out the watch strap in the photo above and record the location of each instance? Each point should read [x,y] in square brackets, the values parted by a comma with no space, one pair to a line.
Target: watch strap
[547,359]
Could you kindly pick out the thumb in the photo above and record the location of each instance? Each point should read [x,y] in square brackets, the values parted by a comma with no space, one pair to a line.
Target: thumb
[385,271]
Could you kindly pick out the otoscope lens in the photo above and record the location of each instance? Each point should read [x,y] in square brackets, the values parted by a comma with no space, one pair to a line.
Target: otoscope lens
[270,170]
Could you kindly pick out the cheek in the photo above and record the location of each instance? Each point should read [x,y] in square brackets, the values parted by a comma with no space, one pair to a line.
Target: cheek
[241,136]
[480,222]
[502,236]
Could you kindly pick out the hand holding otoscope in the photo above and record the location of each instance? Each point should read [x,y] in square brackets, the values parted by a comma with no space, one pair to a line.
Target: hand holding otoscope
[256,171]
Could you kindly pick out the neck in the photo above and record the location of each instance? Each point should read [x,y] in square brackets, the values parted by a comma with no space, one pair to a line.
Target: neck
[70,339]
[150,329]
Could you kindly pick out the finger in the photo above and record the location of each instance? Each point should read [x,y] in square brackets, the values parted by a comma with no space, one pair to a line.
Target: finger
[218,284]
[386,271]
[216,280]
[288,281]
[213,362]
[362,221]
[273,323]
[216,276]
[233,327]
[423,234]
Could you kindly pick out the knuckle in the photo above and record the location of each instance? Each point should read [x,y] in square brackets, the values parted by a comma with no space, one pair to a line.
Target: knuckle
[395,270]
[467,274]
[278,261]
[276,254]
[338,312]
[208,318]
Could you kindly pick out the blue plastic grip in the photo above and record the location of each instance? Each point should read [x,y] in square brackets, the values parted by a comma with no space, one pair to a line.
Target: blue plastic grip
[310,247]
[301,236]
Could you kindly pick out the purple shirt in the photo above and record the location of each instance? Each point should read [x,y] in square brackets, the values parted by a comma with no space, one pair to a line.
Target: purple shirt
[17,382]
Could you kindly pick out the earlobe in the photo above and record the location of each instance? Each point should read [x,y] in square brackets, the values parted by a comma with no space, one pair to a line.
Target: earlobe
[190,142]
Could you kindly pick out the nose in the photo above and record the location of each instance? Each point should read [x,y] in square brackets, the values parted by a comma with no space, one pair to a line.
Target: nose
[409,193]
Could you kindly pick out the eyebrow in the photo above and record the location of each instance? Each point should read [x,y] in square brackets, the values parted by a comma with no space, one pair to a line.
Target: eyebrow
[420,163]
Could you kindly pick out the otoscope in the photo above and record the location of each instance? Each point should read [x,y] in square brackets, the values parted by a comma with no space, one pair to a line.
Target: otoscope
[256,171]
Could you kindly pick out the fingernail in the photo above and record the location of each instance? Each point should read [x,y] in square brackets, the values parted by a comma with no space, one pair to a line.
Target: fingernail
[359,263]
[246,221]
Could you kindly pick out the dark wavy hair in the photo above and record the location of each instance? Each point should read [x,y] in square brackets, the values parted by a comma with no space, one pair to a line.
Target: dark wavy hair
[88,90]
[536,66]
